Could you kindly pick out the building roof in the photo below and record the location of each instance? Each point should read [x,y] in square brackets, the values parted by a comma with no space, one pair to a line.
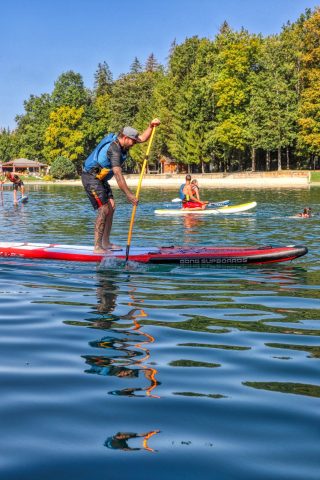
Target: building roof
[24,163]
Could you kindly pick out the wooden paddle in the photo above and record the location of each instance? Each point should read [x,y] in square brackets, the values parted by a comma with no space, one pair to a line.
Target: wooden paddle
[138,192]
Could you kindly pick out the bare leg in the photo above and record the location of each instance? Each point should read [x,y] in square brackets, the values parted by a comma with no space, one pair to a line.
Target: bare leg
[22,190]
[101,228]
[15,196]
[106,234]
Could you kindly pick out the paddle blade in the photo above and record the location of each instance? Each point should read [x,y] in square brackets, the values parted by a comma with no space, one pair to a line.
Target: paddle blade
[127,253]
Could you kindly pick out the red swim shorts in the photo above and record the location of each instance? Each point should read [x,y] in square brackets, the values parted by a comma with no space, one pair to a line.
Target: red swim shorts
[191,205]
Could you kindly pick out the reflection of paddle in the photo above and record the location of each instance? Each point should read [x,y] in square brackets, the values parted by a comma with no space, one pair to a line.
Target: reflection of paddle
[138,192]
[2,194]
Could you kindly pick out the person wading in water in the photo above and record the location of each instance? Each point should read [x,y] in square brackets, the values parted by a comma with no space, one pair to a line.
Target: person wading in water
[17,185]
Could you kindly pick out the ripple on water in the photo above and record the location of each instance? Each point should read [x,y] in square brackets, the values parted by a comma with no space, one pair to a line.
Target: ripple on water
[176,371]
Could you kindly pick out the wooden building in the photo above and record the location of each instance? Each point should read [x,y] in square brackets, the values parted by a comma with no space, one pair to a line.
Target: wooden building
[169,165]
[23,165]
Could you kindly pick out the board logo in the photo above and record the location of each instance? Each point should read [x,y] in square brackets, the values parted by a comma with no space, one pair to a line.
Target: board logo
[211,261]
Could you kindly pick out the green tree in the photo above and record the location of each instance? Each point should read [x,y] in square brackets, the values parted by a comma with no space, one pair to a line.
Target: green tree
[125,101]
[190,107]
[164,100]
[309,106]
[97,121]
[69,90]
[62,168]
[217,99]
[97,114]
[273,103]
[64,135]
[152,64]
[130,95]
[103,80]
[8,145]
[31,126]
[136,66]
[235,59]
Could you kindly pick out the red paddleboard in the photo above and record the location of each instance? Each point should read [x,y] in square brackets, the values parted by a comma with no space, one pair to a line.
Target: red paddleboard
[190,255]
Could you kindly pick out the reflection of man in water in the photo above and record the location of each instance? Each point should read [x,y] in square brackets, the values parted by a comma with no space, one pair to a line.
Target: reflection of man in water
[107,295]
[103,366]
[124,352]
[119,441]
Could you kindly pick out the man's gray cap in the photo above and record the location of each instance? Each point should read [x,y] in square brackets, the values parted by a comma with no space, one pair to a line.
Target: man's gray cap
[131,133]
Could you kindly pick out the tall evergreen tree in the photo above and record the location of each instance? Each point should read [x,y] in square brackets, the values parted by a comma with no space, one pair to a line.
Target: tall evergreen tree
[103,80]
[151,64]
[136,66]
[97,116]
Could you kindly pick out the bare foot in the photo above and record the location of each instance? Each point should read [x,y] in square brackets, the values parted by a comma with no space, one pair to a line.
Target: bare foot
[99,250]
[112,246]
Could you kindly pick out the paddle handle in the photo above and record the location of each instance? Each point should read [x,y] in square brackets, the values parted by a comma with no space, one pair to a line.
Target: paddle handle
[134,209]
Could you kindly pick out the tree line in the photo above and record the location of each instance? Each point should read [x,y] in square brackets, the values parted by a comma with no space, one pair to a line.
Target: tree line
[238,102]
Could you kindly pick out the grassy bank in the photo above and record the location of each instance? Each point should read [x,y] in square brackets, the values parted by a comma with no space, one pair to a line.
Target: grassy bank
[314,177]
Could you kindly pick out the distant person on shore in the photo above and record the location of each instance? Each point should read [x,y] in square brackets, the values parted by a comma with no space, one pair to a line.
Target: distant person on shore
[306,213]
[17,185]
[190,200]
[104,162]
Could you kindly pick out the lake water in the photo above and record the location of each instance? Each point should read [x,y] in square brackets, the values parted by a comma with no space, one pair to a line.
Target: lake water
[154,372]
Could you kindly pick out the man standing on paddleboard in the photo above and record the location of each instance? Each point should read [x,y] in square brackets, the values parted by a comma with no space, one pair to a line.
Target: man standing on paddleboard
[102,164]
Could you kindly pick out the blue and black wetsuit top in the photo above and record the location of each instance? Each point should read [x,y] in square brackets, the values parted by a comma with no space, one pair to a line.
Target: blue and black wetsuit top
[181,194]
[107,154]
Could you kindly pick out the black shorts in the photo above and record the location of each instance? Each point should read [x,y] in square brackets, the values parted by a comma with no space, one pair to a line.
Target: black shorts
[18,185]
[98,191]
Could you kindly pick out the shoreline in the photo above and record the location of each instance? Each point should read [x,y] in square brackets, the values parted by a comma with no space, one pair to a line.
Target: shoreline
[282,179]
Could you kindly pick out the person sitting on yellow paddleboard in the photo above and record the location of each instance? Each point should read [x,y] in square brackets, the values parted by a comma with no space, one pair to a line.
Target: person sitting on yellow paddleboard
[191,198]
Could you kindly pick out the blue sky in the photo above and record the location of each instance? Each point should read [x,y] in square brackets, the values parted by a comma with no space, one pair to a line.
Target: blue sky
[40,39]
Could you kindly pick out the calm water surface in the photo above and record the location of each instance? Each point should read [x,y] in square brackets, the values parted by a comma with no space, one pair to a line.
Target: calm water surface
[156,372]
